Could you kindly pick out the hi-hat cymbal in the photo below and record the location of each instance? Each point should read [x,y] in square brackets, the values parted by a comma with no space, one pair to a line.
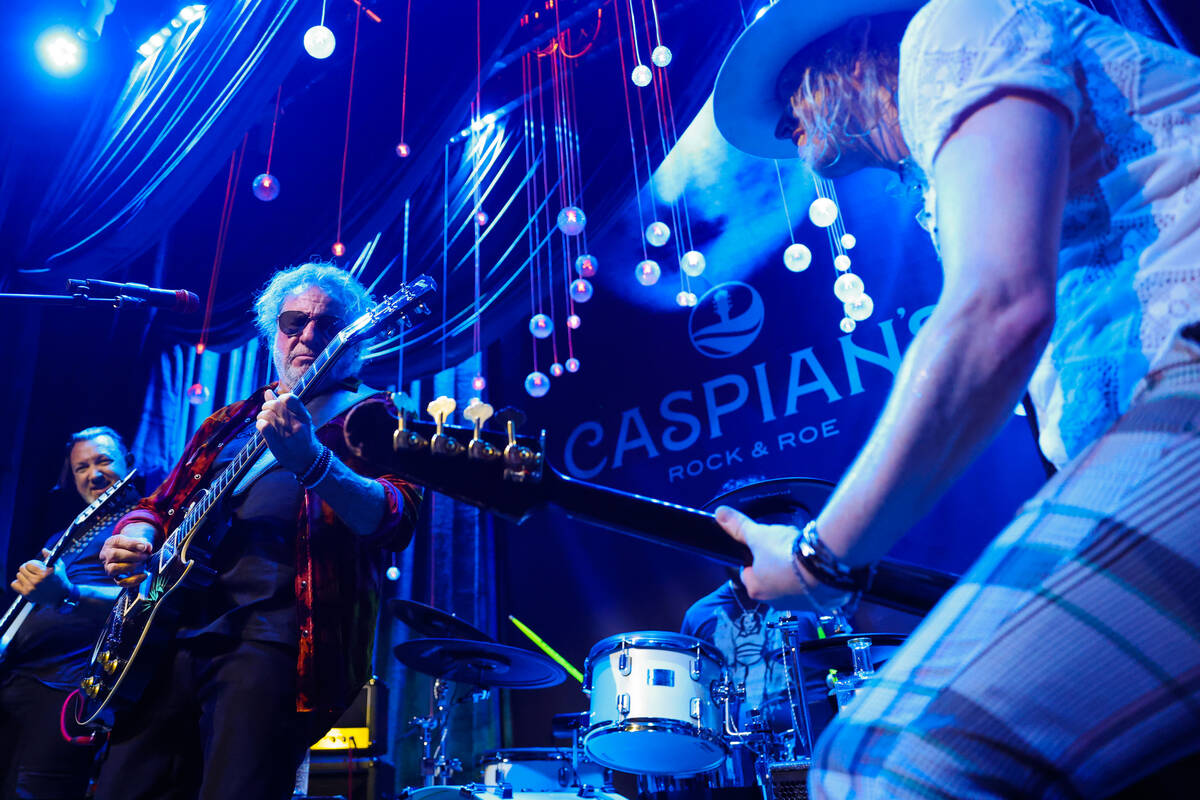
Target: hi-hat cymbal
[433,622]
[480,663]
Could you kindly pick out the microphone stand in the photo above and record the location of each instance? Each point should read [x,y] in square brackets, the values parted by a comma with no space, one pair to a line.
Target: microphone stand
[116,302]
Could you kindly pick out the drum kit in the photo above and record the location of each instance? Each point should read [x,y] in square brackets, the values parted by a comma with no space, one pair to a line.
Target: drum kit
[661,707]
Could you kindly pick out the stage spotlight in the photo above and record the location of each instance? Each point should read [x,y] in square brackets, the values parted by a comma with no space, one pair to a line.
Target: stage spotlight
[61,51]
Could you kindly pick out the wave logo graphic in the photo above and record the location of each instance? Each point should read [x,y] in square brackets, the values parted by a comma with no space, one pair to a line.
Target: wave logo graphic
[726,320]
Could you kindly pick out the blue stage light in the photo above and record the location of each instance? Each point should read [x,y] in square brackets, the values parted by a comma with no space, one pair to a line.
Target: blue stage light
[61,51]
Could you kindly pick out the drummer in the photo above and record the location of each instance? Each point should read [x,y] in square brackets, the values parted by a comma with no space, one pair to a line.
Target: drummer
[741,628]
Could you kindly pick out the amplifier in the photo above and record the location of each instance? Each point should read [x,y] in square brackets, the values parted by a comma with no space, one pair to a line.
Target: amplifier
[789,779]
[360,778]
[363,728]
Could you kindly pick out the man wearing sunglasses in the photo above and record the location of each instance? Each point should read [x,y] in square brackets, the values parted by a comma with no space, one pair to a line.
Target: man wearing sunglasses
[266,657]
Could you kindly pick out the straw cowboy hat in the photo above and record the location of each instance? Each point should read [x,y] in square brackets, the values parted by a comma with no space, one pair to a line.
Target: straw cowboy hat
[746,105]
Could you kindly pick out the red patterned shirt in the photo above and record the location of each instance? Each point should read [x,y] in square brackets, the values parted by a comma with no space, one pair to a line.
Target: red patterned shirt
[338,573]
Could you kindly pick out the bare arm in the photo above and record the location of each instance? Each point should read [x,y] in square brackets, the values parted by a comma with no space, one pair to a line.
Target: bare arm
[1001,180]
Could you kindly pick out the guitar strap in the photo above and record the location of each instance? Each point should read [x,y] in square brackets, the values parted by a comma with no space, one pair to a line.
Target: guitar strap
[322,409]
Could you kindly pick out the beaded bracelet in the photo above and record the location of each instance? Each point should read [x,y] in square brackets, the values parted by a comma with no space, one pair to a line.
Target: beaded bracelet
[810,551]
[319,469]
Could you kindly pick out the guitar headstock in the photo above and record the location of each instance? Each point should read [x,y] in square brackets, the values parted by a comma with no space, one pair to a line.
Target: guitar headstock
[502,471]
[408,301]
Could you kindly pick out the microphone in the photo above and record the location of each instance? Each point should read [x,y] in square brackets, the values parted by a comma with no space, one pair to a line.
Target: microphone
[180,300]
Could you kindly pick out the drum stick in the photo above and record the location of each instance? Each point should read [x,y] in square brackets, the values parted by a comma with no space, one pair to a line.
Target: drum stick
[547,649]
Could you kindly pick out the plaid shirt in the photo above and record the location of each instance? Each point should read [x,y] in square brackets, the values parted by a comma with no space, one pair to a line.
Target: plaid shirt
[338,573]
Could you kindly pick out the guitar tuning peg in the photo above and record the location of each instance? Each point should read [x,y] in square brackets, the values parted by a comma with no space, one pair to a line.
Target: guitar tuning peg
[478,411]
[509,414]
[403,402]
[441,407]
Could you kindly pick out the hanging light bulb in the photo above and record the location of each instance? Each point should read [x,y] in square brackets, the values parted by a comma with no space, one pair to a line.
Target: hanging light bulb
[848,241]
[661,55]
[823,212]
[860,307]
[319,42]
[541,326]
[537,384]
[338,249]
[571,221]
[265,187]
[393,573]
[581,290]
[586,265]
[403,150]
[572,364]
[658,233]
[848,287]
[556,369]
[693,263]
[841,262]
[641,75]
[478,383]
[197,393]
[797,257]
[481,218]
[573,321]
[647,272]
[847,325]
[685,299]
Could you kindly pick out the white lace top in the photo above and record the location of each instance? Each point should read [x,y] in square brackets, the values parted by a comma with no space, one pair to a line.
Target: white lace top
[1129,269]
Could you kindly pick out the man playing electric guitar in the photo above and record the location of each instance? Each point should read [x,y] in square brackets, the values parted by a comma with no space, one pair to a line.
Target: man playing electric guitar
[266,656]
[44,659]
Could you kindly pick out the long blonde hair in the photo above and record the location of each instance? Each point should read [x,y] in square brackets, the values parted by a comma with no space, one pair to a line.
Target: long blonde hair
[844,85]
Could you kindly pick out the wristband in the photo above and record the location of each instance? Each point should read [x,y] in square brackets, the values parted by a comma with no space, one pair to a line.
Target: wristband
[810,551]
[70,602]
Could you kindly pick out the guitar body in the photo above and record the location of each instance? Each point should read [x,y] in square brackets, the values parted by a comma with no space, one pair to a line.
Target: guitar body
[144,619]
[133,643]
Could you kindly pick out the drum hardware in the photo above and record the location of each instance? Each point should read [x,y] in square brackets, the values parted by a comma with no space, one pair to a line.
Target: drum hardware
[864,669]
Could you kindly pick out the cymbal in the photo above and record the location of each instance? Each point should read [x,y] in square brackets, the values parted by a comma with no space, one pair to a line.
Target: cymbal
[430,621]
[480,663]
[832,652]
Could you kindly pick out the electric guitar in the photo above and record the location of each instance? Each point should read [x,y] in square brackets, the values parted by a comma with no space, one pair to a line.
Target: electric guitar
[97,519]
[139,627]
[508,475]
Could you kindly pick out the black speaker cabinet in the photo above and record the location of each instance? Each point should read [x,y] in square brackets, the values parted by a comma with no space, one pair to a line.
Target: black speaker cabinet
[362,730]
[360,778]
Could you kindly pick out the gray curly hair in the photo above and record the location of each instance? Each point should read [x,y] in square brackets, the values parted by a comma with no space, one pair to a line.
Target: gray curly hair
[348,295]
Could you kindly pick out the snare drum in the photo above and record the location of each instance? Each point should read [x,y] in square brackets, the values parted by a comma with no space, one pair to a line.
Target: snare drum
[652,706]
[540,769]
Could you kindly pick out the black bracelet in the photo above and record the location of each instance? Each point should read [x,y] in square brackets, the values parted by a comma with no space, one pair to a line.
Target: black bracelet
[318,470]
[810,551]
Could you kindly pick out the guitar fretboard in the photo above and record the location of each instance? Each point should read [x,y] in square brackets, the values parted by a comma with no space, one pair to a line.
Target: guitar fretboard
[246,457]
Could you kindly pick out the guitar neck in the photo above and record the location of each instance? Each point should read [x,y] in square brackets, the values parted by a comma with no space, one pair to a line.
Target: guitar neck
[646,518]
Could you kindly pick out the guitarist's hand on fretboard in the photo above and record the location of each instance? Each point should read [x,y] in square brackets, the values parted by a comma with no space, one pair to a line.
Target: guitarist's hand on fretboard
[124,556]
[287,428]
[43,585]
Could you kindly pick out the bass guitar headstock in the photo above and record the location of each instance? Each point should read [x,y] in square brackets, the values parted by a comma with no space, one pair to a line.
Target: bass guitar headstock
[502,471]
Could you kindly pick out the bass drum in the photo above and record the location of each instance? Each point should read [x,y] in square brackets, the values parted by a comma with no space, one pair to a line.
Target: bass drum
[652,709]
[541,769]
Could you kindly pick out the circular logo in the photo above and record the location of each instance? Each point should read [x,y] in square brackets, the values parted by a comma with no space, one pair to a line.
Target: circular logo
[726,320]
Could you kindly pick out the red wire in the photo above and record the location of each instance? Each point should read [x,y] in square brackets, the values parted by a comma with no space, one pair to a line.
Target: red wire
[637,188]
[404,80]
[349,100]
[595,34]
[235,171]
[274,120]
